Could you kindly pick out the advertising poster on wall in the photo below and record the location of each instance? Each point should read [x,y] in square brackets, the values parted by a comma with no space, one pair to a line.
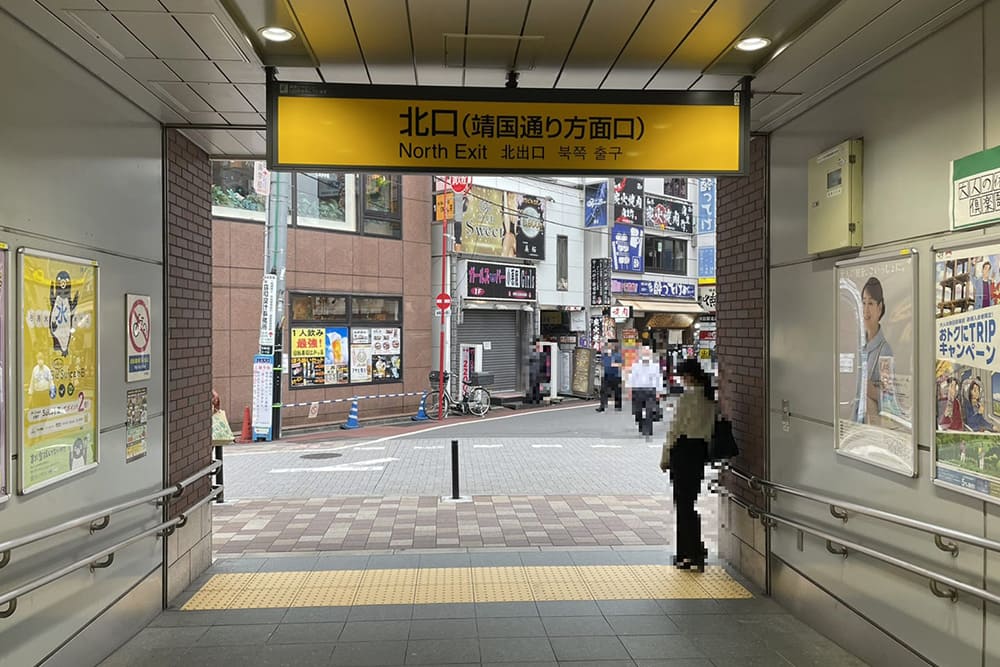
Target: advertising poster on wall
[387,360]
[336,353]
[628,200]
[4,487]
[136,420]
[595,205]
[502,224]
[138,332]
[361,355]
[967,372]
[59,365]
[308,357]
[876,368]
[626,248]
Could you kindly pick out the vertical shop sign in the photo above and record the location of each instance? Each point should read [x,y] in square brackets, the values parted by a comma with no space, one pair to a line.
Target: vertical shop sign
[628,200]
[595,211]
[706,260]
[136,420]
[706,205]
[876,362]
[600,281]
[263,380]
[138,332]
[59,367]
[967,372]
[4,490]
[626,248]
[526,218]
[268,305]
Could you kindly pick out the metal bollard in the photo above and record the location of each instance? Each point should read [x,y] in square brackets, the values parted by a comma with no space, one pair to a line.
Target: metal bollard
[454,470]
[218,475]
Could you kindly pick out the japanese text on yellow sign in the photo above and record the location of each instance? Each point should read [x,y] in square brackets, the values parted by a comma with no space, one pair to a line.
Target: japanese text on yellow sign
[59,368]
[308,342]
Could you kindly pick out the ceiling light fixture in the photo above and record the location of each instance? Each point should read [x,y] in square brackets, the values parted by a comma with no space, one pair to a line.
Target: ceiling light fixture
[753,43]
[273,33]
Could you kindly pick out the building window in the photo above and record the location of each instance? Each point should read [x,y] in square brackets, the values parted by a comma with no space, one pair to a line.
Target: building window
[326,201]
[665,255]
[383,205]
[234,194]
[339,339]
[562,263]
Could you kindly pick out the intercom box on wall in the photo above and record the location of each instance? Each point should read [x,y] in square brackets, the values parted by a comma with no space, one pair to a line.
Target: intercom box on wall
[835,199]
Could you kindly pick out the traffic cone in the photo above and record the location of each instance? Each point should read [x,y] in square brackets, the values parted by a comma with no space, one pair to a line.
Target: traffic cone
[422,410]
[352,417]
[245,434]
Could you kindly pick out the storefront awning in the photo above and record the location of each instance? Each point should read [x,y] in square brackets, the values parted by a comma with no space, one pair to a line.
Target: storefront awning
[664,306]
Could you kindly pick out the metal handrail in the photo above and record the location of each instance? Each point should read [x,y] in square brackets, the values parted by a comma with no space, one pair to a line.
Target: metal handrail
[94,560]
[839,509]
[847,547]
[102,518]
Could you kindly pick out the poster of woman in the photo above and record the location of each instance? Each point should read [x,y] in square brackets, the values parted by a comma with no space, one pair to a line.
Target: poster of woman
[876,333]
[967,371]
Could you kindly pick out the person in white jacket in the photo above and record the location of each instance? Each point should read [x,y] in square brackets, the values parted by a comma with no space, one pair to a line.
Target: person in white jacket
[685,452]
[646,382]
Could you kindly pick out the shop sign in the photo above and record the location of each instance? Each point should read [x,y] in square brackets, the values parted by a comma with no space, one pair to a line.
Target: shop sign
[707,297]
[502,224]
[340,127]
[628,200]
[500,281]
[668,214]
[975,189]
[600,281]
[706,260]
[444,206]
[595,198]
[621,313]
[268,312]
[661,288]
[626,248]
[706,205]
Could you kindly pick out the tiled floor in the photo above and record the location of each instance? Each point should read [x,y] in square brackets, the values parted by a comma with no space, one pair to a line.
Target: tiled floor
[350,523]
[274,624]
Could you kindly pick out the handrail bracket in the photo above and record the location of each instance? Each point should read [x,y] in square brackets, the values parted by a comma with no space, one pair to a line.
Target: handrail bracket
[835,550]
[101,564]
[9,611]
[950,547]
[100,524]
[949,592]
[5,558]
[838,513]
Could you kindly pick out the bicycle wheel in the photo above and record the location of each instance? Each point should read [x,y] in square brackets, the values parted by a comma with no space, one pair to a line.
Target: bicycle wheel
[431,405]
[479,401]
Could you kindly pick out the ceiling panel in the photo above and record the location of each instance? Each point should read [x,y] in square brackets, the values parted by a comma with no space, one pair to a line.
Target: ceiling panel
[713,36]
[293,74]
[204,118]
[717,82]
[427,30]
[56,5]
[251,141]
[182,95]
[383,29]
[557,21]
[102,28]
[492,57]
[208,33]
[327,28]
[606,28]
[238,72]
[196,70]
[662,30]
[191,5]
[134,5]
[161,34]
[223,97]
[244,118]
[148,69]
[256,94]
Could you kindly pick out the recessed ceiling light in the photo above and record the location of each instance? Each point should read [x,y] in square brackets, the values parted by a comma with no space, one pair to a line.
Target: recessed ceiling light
[276,34]
[752,43]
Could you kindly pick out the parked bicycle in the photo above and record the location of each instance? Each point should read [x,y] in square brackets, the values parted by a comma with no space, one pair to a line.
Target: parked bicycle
[475,401]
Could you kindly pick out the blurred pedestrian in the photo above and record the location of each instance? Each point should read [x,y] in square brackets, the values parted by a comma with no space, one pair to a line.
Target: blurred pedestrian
[533,396]
[611,380]
[646,382]
[685,452]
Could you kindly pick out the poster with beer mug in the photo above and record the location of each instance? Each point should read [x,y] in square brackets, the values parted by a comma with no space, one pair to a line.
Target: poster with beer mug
[876,343]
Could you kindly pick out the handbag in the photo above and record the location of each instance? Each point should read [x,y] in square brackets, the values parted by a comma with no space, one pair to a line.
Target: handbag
[723,444]
[220,427]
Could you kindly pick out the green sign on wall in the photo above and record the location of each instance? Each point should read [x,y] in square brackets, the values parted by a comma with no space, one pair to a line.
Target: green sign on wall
[975,189]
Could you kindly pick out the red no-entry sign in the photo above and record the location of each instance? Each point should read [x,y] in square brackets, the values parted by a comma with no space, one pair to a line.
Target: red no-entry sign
[459,184]
[443,300]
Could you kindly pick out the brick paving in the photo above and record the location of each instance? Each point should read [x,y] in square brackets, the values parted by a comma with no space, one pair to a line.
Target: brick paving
[420,522]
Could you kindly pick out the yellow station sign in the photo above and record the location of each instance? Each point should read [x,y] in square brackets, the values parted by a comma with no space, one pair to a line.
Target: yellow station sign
[470,130]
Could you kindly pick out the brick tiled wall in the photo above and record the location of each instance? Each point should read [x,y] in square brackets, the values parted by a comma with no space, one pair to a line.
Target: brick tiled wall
[189,314]
[742,247]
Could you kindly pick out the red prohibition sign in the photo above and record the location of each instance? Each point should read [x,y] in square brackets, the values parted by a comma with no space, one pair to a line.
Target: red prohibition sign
[138,326]
[443,300]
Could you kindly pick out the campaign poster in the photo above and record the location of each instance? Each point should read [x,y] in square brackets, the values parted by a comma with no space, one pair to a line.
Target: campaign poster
[361,355]
[876,366]
[4,487]
[626,248]
[136,421]
[628,201]
[308,357]
[387,360]
[59,363]
[967,371]
[595,205]
[337,356]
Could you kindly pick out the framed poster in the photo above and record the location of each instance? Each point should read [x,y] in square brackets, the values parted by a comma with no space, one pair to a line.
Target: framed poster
[361,355]
[59,368]
[967,370]
[138,331]
[337,355]
[308,356]
[136,424]
[4,454]
[876,361]
[387,354]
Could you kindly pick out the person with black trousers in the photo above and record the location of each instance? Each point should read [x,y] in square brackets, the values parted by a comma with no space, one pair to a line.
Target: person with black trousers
[685,453]
[646,382]
[611,380]
[536,374]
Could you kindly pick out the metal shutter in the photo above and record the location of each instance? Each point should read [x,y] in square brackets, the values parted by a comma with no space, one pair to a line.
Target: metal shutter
[501,329]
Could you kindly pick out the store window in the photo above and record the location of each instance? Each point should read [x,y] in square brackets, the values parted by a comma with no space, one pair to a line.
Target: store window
[338,339]
[383,205]
[665,255]
[562,263]
[237,187]
[325,200]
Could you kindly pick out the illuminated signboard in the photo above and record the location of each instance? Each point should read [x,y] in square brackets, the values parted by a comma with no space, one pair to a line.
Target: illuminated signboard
[479,130]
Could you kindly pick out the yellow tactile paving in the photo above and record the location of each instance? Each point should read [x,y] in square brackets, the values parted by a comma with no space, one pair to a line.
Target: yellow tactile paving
[464,584]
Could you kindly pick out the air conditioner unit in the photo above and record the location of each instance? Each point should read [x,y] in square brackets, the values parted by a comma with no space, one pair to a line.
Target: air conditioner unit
[835,199]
